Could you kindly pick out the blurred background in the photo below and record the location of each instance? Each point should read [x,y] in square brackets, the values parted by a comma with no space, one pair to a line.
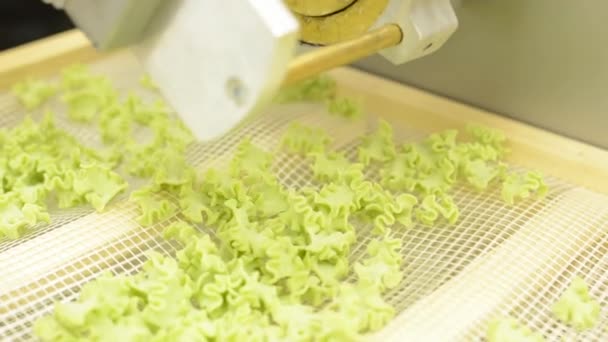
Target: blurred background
[22,21]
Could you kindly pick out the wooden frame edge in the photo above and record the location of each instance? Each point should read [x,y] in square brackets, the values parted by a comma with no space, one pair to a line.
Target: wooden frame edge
[43,57]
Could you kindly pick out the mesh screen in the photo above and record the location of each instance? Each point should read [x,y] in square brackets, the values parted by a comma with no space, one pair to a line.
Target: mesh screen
[497,260]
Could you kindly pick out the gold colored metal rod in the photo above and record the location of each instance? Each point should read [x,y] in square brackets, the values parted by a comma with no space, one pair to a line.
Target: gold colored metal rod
[332,56]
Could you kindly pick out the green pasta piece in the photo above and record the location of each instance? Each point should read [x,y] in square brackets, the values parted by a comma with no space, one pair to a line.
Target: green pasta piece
[297,322]
[147,82]
[115,124]
[480,173]
[345,107]
[131,328]
[63,190]
[363,307]
[336,199]
[278,263]
[317,89]
[475,150]
[302,139]
[172,168]
[15,216]
[250,160]
[433,207]
[167,290]
[336,326]
[270,201]
[140,158]
[282,260]
[31,193]
[41,162]
[329,246]
[221,187]
[381,269]
[398,209]
[244,236]
[424,157]
[489,137]
[372,200]
[194,326]
[77,76]
[172,131]
[321,89]
[180,231]
[378,146]
[98,185]
[243,324]
[86,101]
[196,206]
[33,93]
[146,114]
[442,142]
[400,172]
[575,306]
[439,180]
[332,166]
[508,330]
[121,307]
[402,208]
[154,208]
[521,186]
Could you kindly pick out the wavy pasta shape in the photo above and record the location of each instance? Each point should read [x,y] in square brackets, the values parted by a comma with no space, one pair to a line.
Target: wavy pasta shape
[576,307]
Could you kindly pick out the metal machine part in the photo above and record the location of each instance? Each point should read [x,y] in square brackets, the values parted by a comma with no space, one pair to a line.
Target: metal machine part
[426,25]
[318,8]
[218,61]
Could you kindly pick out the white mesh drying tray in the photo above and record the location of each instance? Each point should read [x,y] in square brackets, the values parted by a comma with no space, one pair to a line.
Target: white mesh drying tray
[497,260]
